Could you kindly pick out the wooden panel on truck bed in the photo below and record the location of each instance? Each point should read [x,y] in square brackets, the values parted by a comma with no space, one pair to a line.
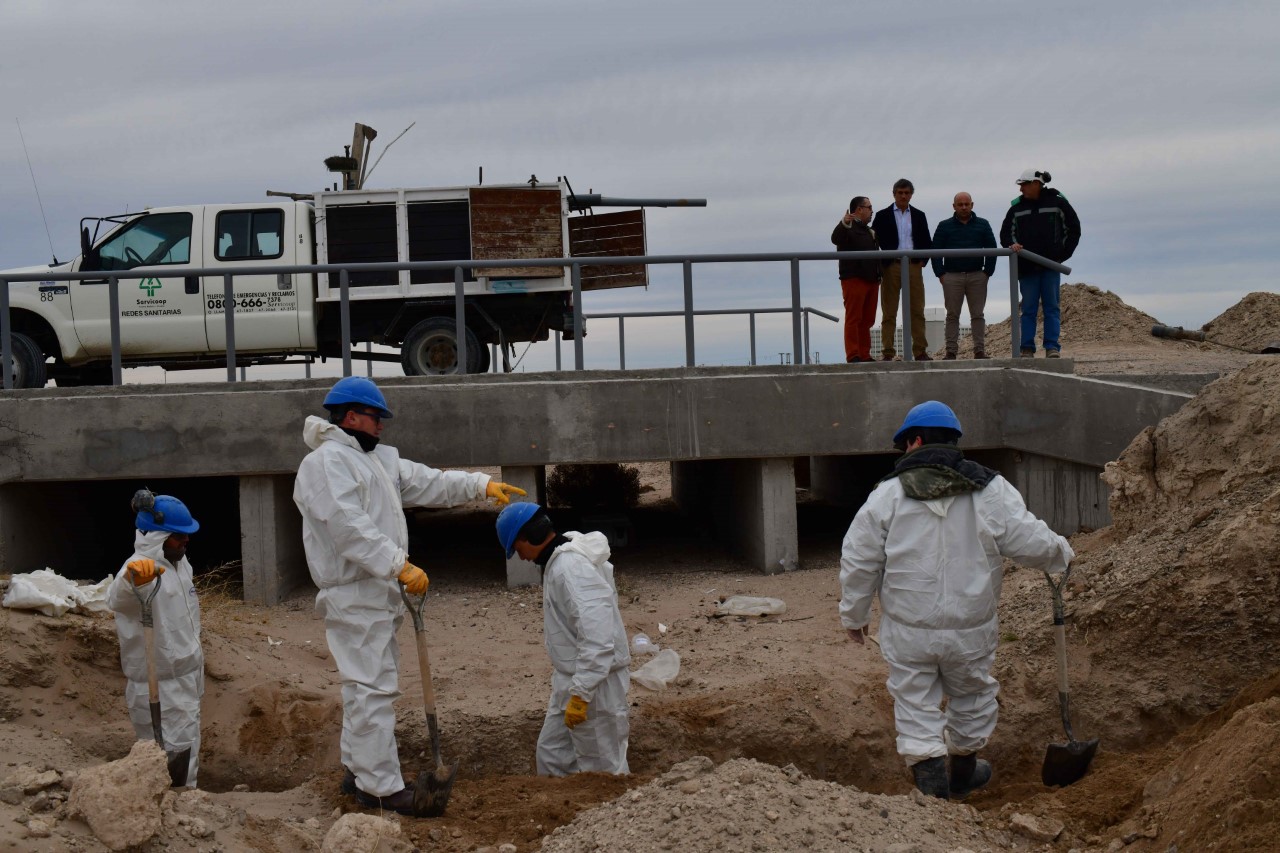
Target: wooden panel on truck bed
[517,223]
[616,234]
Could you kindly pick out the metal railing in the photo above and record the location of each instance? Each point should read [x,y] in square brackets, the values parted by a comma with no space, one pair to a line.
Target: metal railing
[799,314]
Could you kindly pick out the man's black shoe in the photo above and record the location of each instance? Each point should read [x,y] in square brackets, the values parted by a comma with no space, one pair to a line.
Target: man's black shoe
[400,802]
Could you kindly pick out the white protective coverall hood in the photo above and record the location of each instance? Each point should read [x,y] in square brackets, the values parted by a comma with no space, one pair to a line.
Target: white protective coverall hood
[175,615]
[356,541]
[587,643]
[937,567]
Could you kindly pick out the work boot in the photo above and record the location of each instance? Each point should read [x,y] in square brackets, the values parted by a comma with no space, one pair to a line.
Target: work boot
[968,774]
[949,357]
[886,358]
[1052,353]
[401,801]
[348,784]
[924,356]
[1028,353]
[931,777]
[980,354]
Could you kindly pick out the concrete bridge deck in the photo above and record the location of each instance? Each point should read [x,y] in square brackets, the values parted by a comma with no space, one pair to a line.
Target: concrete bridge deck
[735,430]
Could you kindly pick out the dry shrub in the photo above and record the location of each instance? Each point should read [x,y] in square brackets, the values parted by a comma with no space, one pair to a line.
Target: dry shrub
[221,591]
[607,486]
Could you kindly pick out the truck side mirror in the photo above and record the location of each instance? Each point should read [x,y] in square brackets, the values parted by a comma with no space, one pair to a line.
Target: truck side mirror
[84,241]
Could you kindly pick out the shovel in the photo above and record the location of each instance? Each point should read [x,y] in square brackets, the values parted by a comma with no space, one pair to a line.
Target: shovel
[1064,763]
[432,787]
[179,760]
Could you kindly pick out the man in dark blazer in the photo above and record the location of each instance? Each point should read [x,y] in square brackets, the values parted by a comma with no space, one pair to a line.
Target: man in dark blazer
[901,226]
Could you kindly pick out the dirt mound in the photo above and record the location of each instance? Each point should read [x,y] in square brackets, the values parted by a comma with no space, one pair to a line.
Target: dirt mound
[1090,316]
[1187,572]
[745,805]
[1250,324]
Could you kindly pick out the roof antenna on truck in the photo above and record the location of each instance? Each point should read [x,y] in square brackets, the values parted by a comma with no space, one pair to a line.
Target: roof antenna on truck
[369,173]
[52,253]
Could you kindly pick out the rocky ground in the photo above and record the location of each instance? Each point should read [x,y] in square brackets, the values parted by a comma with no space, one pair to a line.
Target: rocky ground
[777,733]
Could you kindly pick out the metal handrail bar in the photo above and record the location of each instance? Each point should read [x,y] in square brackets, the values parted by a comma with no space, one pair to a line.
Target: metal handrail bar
[799,316]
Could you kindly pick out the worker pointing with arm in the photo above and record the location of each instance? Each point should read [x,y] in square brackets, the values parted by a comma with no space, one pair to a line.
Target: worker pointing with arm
[586,726]
[929,540]
[352,491]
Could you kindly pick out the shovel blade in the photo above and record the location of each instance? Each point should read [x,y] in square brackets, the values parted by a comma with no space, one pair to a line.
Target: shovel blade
[431,790]
[1066,763]
[179,764]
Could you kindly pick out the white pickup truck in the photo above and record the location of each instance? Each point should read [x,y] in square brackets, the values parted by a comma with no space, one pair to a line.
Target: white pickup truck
[173,319]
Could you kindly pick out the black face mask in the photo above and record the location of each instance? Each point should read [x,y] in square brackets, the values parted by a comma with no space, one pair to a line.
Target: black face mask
[367,442]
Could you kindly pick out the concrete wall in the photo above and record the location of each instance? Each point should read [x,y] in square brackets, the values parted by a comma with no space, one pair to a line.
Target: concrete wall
[749,503]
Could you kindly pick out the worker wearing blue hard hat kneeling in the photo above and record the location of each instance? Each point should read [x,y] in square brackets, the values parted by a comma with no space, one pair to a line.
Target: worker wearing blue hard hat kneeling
[352,490]
[163,526]
[586,727]
[930,539]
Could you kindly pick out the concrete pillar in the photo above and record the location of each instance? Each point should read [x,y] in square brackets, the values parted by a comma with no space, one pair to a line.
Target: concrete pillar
[750,504]
[533,479]
[270,539]
[1067,496]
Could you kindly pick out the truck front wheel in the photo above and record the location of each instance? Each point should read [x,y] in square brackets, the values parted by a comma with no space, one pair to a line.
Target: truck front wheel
[28,368]
[431,349]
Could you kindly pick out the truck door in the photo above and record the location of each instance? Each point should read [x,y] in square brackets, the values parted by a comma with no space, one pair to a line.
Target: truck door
[266,309]
[162,314]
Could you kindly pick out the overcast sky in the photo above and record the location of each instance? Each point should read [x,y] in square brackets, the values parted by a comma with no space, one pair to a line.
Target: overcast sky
[1160,121]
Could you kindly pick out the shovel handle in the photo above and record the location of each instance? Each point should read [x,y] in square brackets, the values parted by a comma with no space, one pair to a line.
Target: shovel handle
[424,670]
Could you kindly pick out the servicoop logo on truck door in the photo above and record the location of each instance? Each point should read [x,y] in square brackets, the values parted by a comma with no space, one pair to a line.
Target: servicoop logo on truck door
[150,285]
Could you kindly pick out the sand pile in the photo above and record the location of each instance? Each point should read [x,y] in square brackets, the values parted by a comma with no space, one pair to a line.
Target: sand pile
[1251,323]
[1090,316]
[1187,574]
[745,805]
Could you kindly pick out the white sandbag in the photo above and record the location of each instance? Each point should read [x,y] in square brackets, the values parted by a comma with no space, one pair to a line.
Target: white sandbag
[50,593]
[748,605]
[661,670]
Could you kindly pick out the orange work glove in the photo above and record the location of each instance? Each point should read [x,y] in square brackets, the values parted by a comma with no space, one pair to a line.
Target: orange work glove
[143,571]
[576,712]
[501,492]
[414,579]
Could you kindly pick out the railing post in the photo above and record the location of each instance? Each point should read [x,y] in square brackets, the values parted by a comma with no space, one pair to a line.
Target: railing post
[558,368]
[460,318]
[1015,313]
[807,360]
[229,317]
[689,352]
[797,344]
[622,343]
[344,312]
[575,276]
[6,335]
[905,320]
[113,308]
[368,362]
[752,323]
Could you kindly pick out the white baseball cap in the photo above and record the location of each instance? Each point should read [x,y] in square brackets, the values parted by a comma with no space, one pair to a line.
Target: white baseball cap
[1029,175]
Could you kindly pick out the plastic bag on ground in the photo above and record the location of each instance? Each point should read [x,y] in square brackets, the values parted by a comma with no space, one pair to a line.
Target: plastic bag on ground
[750,605]
[642,645]
[658,672]
[50,593]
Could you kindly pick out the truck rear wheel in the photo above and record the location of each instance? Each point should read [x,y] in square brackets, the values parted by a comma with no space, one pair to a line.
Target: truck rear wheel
[28,369]
[431,349]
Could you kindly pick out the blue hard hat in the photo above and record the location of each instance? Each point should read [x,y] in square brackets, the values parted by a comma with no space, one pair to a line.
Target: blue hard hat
[510,520]
[930,413]
[356,389]
[168,514]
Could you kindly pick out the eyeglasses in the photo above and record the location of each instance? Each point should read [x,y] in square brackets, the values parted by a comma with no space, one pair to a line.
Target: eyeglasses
[864,206]
[369,413]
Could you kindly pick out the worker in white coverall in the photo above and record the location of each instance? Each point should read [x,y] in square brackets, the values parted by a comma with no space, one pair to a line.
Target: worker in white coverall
[351,492]
[586,727]
[930,539]
[163,527]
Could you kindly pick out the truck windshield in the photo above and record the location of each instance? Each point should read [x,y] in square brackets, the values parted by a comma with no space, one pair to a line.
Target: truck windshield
[162,238]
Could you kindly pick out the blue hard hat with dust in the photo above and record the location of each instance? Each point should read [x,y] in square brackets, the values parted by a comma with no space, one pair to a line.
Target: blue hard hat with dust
[930,413]
[168,514]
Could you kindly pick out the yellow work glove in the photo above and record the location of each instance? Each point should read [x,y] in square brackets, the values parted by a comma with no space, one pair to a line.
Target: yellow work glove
[576,712]
[414,579]
[501,492]
[143,571]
